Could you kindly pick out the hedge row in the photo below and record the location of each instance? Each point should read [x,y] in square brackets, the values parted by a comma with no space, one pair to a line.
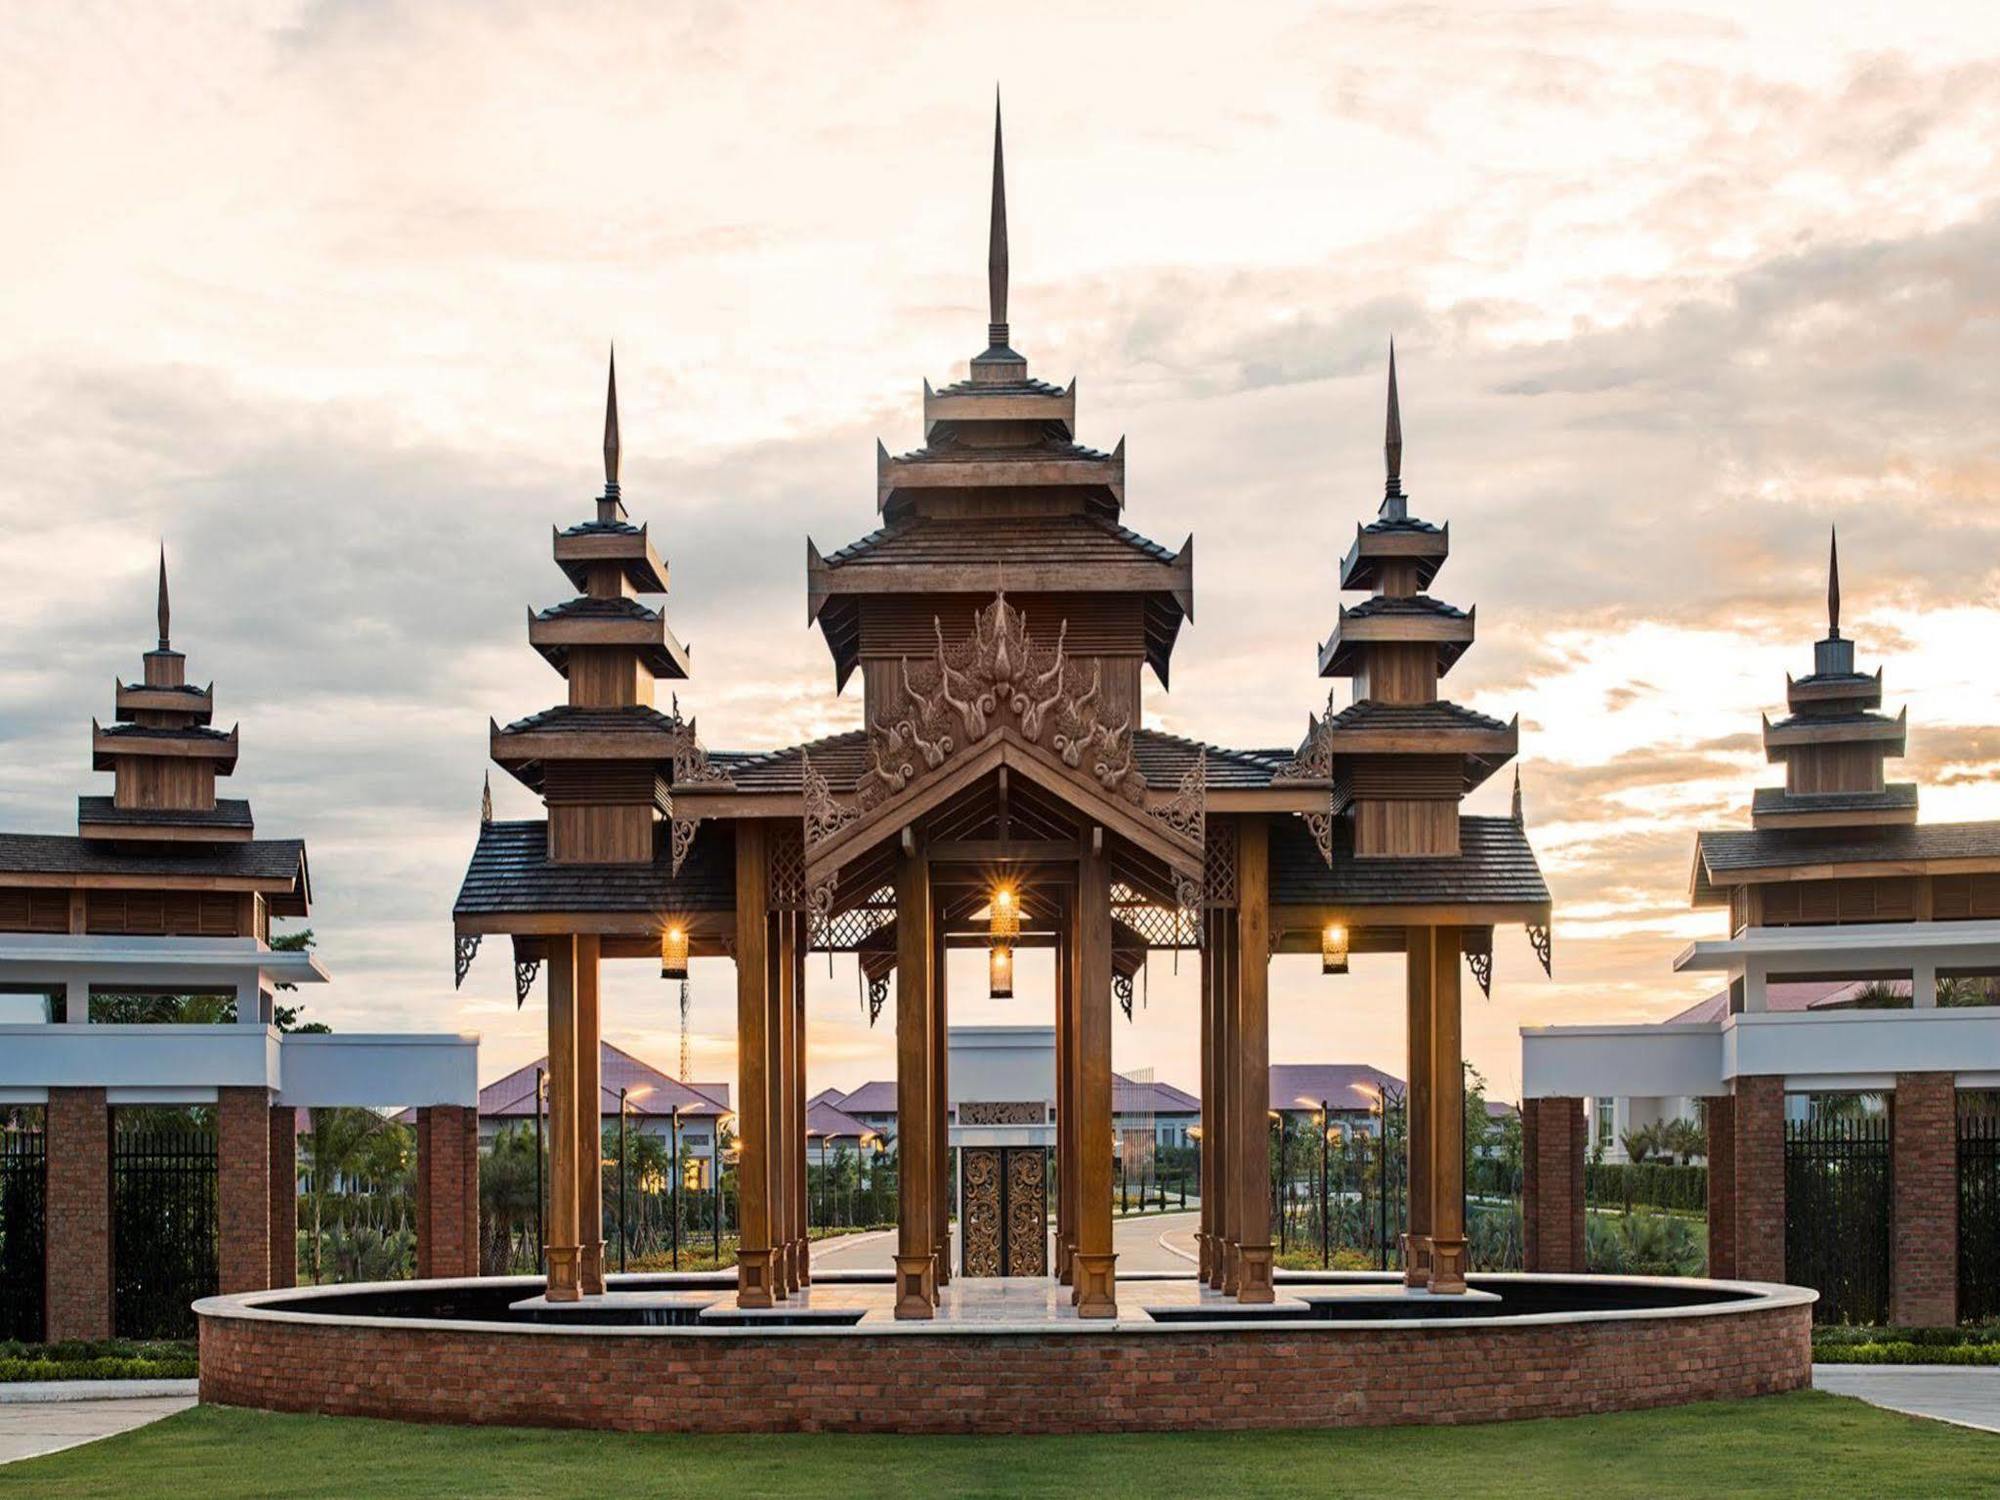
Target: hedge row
[108,1368]
[1651,1183]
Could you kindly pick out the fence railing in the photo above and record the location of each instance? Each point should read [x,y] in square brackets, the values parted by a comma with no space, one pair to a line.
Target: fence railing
[1838,1204]
[1978,1207]
[23,1197]
[163,1223]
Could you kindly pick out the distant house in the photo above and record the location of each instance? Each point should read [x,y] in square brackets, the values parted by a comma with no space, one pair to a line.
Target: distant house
[652,1101]
[1138,1104]
[873,1105]
[831,1130]
[1352,1093]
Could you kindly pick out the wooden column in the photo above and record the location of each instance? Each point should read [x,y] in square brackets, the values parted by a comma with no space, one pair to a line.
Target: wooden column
[589,1113]
[1417,946]
[916,1220]
[564,1234]
[753,1063]
[1204,1237]
[1447,1115]
[1096,1264]
[940,1103]
[1065,1111]
[799,945]
[786,1133]
[1229,1088]
[1252,964]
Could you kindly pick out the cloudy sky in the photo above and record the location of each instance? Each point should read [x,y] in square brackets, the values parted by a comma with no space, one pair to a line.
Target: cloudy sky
[321,293]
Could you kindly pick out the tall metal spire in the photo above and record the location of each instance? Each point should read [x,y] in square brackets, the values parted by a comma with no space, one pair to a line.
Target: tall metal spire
[163,595]
[611,428]
[1519,819]
[1392,449]
[1833,585]
[996,242]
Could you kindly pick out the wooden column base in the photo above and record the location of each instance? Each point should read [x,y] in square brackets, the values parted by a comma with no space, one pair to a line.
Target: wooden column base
[1063,1273]
[805,1263]
[1447,1266]
[1416,1260]
[590,1268]
[944,1260]
[1200,1256]
[1253,1274]
[565,1284]
[1096,1287]
[753,1278]
[916,1286]
[1228,1274]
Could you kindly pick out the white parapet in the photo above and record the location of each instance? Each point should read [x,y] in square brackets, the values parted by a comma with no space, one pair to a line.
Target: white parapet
[140,1063]
[379,1070]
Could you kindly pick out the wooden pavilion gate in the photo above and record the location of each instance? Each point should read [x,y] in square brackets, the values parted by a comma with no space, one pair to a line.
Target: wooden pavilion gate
[1839,1198]
[23,1195]
[1004,1197]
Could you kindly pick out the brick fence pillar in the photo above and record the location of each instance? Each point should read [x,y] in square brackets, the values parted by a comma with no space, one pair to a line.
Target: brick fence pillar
[1760,1179]
[1721,1130]
[447,1191]
[284,1195]
[243,1188]
[1924,1251]
[1552,1189]
[77,1210]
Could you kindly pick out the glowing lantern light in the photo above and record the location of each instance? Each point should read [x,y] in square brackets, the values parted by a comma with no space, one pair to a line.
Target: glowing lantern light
[674,952]
[1333,949]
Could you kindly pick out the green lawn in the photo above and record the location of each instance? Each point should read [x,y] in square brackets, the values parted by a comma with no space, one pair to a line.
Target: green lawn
[1802,1444]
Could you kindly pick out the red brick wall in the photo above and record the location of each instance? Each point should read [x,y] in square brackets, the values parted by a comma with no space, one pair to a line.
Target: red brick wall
[1552,1189]
[78,1285]
[1722,1186]
[1924,1251]
[1760,1179]
[1084,1382]
[243,1188]
[447,1191]
[284,1195]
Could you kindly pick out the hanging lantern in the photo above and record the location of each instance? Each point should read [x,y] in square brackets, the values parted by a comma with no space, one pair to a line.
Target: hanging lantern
[1333,949]
[1004,926]
[674,952]
[1000,972]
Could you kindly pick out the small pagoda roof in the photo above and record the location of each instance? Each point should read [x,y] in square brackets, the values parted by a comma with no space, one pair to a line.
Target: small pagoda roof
[101,817]
[639,732]
[1771,806]
[1785,734]
[133,698]
[1052,461]
[1415,619]
[1397,539]
[510,875]
[1854,689]
[1733,856]
[1371,727]
[578,547]
[171,742]
[607,622]
[274,866]
[1495,866]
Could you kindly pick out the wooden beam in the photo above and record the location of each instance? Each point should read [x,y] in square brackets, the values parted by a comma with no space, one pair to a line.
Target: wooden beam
[1009,852]
[916,1265]
[589,1117]
[787,1134]
[1095,1269]
[940,1093]
[565,1284]
[1447,1116]
[1417,1105]
[1252,1188]
[754,1286]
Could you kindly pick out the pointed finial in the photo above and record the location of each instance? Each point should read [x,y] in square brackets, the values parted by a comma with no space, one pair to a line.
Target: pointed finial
[163,594]
[1833,585]
[1392,446]
[1519,819]
[611,427]
[996,242]
[486,800]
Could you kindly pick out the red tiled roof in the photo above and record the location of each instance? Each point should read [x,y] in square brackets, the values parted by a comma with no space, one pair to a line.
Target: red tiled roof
[650,1092]
[833,1123]
[1344,1086]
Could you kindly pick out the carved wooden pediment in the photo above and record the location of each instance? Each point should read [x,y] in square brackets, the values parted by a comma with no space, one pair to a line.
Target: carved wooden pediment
[1001,682]
[1313,761]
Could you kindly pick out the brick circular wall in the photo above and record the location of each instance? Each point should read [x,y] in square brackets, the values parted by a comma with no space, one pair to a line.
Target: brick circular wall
[1294,1375]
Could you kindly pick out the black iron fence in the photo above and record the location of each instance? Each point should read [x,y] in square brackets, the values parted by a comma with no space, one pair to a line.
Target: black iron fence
[1978,1207]
[1339,1197]
[1838,1203]
[163,1220]
[23,1194]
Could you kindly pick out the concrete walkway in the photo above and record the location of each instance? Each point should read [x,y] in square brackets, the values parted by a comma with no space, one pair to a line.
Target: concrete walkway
[1136,1239]
[1968,1395]
[45,1416]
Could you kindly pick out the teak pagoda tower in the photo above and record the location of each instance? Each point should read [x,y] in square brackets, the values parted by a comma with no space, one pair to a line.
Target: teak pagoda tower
[1003,793]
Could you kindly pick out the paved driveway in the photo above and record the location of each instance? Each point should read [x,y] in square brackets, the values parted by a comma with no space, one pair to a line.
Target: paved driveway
[1966,1394]
[44,1416]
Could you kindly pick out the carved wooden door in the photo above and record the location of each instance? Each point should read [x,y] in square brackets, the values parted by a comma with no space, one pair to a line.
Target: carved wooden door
[1003,1193]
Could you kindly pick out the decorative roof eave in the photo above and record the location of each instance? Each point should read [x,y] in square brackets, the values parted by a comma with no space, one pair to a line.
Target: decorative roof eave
[140,740]
[1101,474]
[971,404]
[1498,745]
[1312,916]
[165,830]
[1428,549]
[659,651]
[1788,734]
[510,747]
[1172,577]
[1452,634]
[1861,690]
[136,697]
[644,569]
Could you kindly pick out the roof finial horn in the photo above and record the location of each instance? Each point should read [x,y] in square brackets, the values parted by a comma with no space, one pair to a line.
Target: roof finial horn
[1392,447]
[1833,584]
[611,428]
[163,595]
[996,242]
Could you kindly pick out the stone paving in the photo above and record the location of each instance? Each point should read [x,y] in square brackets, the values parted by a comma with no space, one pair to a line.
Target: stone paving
[1967,1395]
[40,1417]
